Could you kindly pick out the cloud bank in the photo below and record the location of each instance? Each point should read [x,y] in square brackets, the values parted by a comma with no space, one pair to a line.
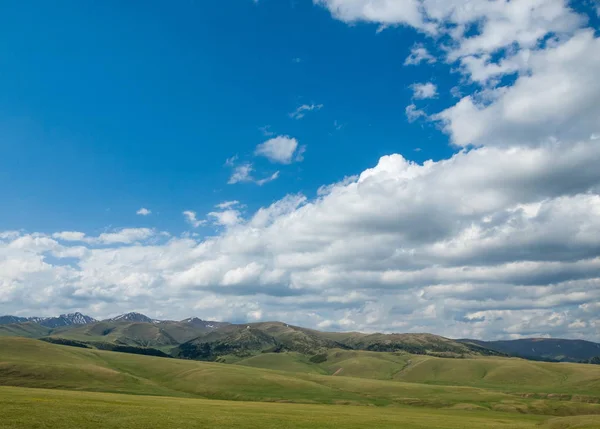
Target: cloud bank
[498,241]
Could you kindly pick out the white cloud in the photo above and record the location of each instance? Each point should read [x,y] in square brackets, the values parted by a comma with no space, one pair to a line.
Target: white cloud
[377,11]
[300,112]
[69,236]
[227,204]
[412,113]
[241,173]
[228,215]
[268,179]
[493,242]
[419,54]
[424,90]
[280,149]
[144,212]
[498,241]
[555,96]
[227,218]
[501,23]
[192,218]
[266,131]
[125,236]
[244,174]
[230,162]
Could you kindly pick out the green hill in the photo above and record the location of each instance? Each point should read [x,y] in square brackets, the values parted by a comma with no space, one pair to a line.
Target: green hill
[26,330]
[536,379]
[32,363]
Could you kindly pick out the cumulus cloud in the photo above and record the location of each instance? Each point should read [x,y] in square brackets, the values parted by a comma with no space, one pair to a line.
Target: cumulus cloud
[473,245]
[280,149]
[500,23]
[228,215]
[378,11]
[555,96]
[424,90]
[497,241]
[143,212]
[541,42]
[227,218]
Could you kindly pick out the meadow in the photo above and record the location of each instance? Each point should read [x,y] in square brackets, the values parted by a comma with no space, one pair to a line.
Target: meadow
[52,386]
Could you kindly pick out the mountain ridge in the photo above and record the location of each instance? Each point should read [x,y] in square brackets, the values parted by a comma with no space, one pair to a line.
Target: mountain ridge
[69,319]
[195,338]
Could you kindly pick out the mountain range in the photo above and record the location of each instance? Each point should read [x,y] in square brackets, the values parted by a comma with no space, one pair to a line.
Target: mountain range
[194,338]
[50,322]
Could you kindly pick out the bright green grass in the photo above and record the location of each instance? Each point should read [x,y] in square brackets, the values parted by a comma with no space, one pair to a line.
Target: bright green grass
[32,363]
[55,409]
[27,330]
[502,374]
[291,362]
[506,374]
[380,366]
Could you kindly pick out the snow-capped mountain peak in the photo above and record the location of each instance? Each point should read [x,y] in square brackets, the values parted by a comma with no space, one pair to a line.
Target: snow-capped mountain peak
[197,322]
[51,322]
[78,318]
[132,317]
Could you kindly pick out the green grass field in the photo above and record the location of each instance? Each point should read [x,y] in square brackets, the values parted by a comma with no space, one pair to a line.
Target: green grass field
[41,409]
[394,390]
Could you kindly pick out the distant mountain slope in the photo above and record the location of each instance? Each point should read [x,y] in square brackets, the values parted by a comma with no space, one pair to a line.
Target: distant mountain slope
[130,329]
[543,348]
[7,320]
[410,343]
[235,342]
[26,330]
[157,334]
[65,320]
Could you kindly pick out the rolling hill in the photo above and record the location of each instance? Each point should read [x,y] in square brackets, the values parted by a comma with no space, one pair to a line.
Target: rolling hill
[36,364]
[25,329]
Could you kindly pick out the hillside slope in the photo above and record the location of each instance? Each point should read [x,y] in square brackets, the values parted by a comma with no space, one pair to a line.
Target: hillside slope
[24,329]
[32,363]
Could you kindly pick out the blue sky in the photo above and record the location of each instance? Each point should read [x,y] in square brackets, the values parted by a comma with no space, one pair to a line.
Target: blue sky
[107,107]
[366,165]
